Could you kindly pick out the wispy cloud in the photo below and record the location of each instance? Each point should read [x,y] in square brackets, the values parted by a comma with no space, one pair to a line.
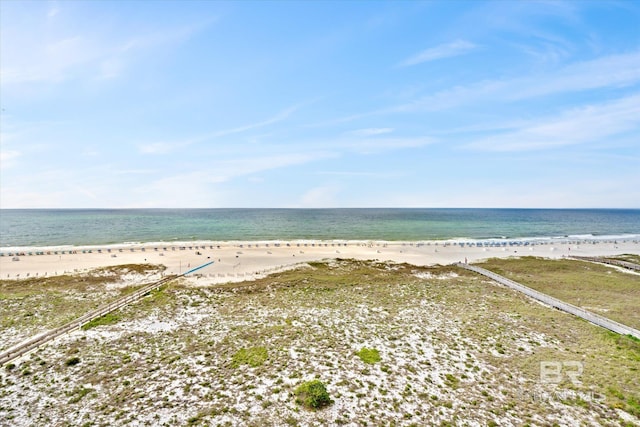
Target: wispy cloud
[282,115]
[205,187]
[447,50]
[322,196]
[134,171]
[577,126]
[59,54]
[7,158]
[612,71]
[370,131]
[379,145]
[378,175]
[53,11]
[609,71]
[164,147]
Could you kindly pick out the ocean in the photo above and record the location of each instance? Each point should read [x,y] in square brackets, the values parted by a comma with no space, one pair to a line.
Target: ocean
[55,227]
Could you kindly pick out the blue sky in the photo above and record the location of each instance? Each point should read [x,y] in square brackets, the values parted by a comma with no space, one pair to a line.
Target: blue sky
[116,104]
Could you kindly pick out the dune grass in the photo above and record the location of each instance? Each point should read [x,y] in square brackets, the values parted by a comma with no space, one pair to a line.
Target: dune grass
[369,355]
[30,306]
[596,287]
[456,348]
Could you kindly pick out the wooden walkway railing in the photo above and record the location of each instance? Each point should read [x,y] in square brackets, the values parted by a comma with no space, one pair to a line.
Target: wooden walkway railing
[596,319]
[617,262]
[35,342]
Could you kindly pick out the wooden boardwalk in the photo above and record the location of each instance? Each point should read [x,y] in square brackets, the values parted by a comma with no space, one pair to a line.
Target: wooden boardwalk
[35,342]
[596,319]
[616,262]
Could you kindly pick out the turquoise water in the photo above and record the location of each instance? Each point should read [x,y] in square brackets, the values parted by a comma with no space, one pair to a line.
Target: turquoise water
[40,227]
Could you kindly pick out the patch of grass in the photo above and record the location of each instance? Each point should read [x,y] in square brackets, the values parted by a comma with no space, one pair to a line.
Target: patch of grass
[78,394]
[633,406]
[369,355]
[120,270]
[107,319]
[253,356]
[596,287]
[451,380]
[312,395]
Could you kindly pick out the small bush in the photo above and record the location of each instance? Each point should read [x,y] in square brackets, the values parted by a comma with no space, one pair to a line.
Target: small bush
[72,361]
[254,356]
[312,394]
[369,355]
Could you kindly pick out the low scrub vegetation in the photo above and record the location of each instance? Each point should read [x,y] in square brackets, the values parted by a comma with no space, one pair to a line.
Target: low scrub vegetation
[107,319]
[448,347]
[312,394]
[369,355]
[253,356]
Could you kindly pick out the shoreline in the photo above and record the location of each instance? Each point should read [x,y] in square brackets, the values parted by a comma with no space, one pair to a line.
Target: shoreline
[235,261]
[490,241]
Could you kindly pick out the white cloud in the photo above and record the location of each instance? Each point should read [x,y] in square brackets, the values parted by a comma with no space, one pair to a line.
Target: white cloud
[456,48]
[319,197]
[282,115]
[377,175]
[53,12]
[159,147]
[7,158]
[224,170]
[370,131]
[133,171]
[249,165]
[514,192]
[166,147]
[610,71]
[204,187]
[378,145]
[34,52]
[591,123]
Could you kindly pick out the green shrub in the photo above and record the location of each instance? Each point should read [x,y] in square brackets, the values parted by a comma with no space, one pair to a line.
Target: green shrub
[254,356]
[72,361]
[107,319]
[369,355]
[312,394]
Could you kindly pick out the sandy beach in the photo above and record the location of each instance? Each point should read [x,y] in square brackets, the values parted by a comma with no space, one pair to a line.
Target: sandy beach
[238,261]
